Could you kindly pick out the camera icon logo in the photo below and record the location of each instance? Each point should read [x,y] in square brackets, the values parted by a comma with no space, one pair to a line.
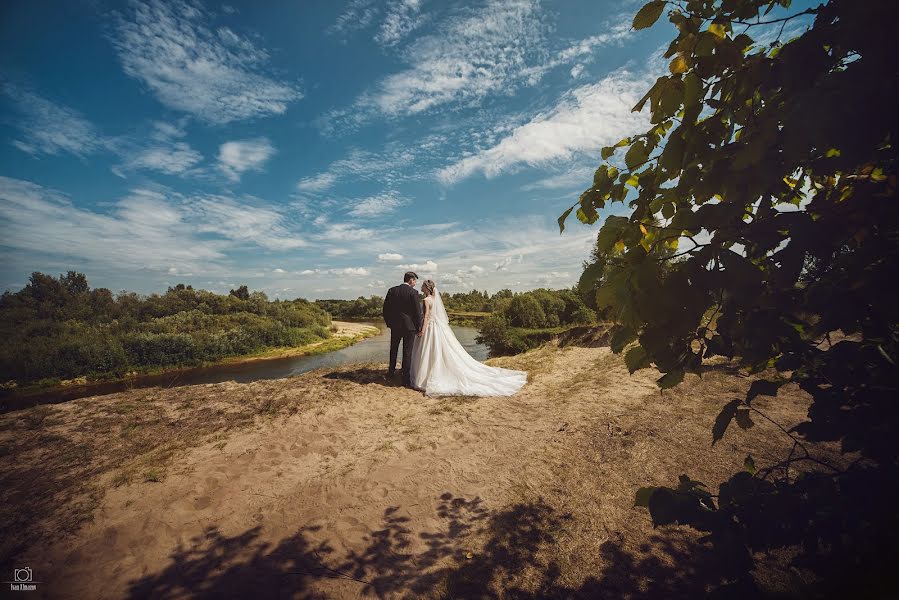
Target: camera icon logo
[22,575]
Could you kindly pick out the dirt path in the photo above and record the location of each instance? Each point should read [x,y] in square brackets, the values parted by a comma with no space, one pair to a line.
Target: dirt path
[353,487]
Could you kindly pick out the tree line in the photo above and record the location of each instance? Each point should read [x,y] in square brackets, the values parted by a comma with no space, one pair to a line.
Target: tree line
[59,328]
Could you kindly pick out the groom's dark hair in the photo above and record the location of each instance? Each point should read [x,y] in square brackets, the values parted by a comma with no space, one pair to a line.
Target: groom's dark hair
[409,276]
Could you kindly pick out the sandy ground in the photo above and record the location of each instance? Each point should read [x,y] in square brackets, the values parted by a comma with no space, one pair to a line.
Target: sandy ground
[340,484]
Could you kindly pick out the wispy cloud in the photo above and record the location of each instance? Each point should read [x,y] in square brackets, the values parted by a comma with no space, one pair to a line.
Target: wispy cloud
[43,222]
[388,167]
[584,120]
[161,151]
[247,155]
[317,183]
[361,271]
[50,128]
[152,230]
[401,19]
[358,15]
[577,177]
[474,53]
[389,257]
[261,225]
[378,206]
[215,75]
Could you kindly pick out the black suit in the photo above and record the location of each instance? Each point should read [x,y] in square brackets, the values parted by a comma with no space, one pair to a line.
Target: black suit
[402,313]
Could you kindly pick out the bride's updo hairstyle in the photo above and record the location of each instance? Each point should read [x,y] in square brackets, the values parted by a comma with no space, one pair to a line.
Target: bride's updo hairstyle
[428,287]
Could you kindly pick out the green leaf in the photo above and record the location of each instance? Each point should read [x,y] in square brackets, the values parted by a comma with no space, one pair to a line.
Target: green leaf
[693,89]
[562,219]
[723,419]
[673,154]
[719,30]
[584,217]
[670,379]
[649,14]
[621,338]
[607,152]
[668,210]
[748,464]
[643,495]
[636,155]
[633,181]
[610,232]
[678,65]
[636,359]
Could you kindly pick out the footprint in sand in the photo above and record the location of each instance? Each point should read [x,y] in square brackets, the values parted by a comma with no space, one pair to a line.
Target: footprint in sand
[202,502]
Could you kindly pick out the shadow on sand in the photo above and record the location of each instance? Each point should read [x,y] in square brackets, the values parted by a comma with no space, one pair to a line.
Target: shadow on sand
[366,375]
[476,553]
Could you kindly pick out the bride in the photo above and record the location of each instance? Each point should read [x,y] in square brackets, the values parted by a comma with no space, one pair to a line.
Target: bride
[442,367]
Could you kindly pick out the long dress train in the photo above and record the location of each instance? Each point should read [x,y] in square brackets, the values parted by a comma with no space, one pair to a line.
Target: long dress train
[442,367]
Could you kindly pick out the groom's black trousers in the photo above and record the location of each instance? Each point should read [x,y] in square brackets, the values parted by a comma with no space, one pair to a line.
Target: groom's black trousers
[408,338]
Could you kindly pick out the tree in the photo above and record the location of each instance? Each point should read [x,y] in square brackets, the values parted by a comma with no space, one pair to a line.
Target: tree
[241,293]
[525,310]
[772,172]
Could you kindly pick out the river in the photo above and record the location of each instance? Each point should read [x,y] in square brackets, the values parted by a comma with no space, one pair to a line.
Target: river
[370,350]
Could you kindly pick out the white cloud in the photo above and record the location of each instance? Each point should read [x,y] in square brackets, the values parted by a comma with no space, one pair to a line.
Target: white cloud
[576,71]
[336,251]
[248,155]
[173,159]
[344,232]
[586,119]
[279,271]
[361,271]
[359,14]
[476,53]
[362,165]
[583,49]
[401,19]
[50,128]
[317,183]
[377,206]
[162,151]
[215,75]
[507,261]
[429,266]
[578,177]
[493,49]
[552,278]
[476,269]
[144,230]
[244,222]
[389,257]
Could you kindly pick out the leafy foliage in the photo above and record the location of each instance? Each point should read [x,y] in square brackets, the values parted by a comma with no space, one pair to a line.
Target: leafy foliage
[526,320]
[60,328]
[368,309]
[771,173]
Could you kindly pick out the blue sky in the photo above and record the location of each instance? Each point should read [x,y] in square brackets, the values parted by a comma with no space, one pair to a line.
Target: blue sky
[310,149]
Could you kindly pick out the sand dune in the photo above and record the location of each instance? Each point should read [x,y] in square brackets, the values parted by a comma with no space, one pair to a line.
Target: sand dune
[339,484]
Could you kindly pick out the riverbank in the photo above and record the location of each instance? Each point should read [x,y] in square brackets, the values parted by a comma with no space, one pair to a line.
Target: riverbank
[342,484]
[347,334]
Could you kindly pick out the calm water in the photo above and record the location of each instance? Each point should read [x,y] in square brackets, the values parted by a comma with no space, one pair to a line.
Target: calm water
[374,349]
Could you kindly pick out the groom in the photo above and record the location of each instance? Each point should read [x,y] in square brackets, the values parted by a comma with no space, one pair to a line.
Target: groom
[402,313]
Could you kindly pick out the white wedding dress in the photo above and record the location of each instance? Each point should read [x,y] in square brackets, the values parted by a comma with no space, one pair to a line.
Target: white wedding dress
[442,367]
